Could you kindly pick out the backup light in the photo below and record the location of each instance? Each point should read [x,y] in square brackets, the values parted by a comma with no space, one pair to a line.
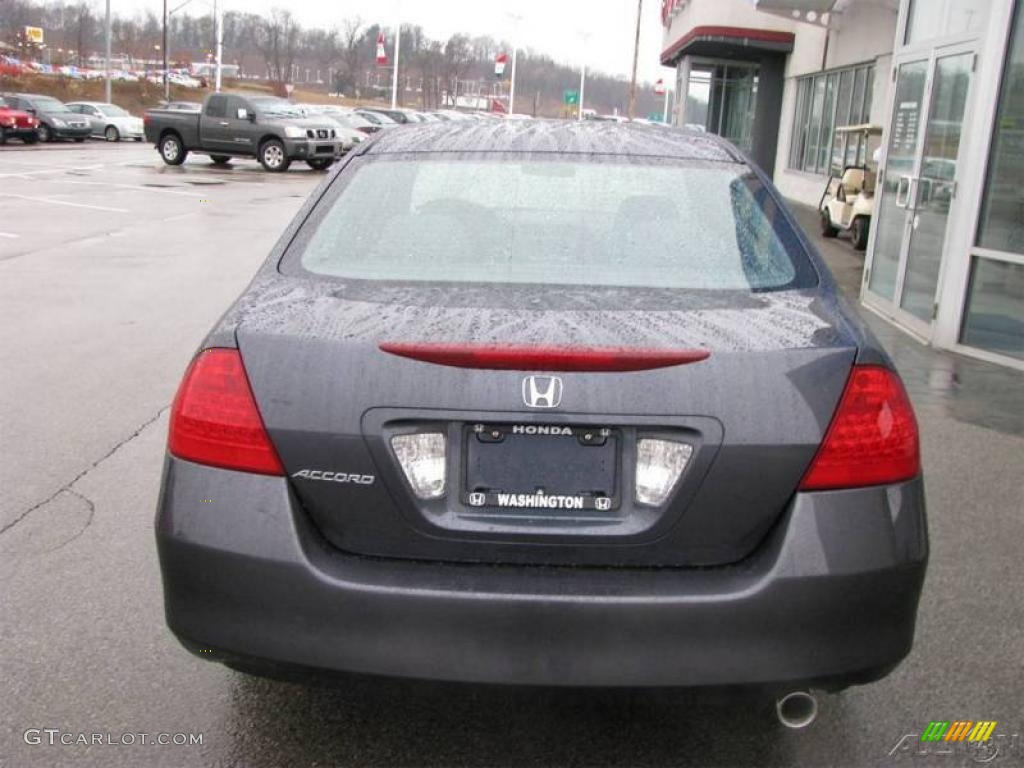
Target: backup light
[422,457]
[659,464]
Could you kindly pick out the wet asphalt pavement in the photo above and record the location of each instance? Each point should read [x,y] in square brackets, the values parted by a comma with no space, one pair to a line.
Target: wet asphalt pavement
[112,268]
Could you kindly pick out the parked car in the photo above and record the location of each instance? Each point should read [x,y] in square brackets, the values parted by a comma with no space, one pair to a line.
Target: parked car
[345,115]
[349,136]
[15,124]
[400,116]
[271,130]
[56,121]
[377,118]
[109,121]
[616,429]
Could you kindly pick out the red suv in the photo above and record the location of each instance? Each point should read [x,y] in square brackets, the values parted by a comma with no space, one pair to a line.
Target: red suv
[17,124]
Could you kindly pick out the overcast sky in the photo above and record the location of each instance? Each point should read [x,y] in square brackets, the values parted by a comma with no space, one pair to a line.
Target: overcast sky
[550,26]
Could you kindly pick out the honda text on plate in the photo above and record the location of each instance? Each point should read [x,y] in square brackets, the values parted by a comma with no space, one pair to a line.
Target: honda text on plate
[545,403]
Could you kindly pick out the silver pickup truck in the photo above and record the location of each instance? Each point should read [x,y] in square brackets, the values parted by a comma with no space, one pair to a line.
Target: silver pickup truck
[270,129]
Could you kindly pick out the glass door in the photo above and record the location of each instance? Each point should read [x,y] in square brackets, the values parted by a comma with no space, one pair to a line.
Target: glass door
[919,185]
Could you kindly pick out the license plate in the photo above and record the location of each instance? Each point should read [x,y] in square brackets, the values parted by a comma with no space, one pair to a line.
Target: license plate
[541,467]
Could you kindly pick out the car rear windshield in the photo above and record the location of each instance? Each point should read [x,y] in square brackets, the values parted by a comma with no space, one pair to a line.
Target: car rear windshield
[498,219]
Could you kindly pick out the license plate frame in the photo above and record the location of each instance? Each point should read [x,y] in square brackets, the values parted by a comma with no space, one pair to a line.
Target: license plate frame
[541,469]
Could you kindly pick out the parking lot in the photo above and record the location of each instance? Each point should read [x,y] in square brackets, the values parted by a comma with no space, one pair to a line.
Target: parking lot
[112,268]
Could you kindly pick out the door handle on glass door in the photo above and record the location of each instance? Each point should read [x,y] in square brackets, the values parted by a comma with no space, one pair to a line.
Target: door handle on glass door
[903,196]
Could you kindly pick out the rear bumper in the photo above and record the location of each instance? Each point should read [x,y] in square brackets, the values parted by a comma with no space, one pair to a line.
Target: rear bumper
[829,599]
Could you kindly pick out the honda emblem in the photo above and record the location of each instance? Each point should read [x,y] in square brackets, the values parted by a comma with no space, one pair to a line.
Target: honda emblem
[542,391]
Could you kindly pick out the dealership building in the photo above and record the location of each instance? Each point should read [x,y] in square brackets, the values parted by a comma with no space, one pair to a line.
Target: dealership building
[943,79]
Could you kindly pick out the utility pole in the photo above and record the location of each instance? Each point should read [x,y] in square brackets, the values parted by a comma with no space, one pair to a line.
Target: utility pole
[394,75]
[636,59]
[167,82]
[107,64]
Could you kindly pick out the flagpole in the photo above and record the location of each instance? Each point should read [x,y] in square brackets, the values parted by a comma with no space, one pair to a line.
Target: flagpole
[394,75]
[515,18]
[512,87]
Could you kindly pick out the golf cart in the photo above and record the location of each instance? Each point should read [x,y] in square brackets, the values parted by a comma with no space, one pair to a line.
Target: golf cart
[848,201]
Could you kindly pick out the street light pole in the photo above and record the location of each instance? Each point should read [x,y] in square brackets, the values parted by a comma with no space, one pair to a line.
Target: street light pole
[107,65]
[218,34]
[583,86]
[585,38]
[636,58]
[167,82]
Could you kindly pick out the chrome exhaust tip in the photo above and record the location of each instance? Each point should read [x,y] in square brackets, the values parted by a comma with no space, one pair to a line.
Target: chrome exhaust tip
[797,709]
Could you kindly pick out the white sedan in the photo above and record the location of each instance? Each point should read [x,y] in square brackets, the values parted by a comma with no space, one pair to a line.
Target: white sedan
[109,121]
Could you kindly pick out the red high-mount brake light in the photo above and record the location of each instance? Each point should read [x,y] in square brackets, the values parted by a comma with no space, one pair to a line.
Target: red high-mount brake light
[502,357]
[215,421]
[872,439]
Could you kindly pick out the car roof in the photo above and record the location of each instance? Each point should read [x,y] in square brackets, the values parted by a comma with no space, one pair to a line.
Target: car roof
[556,136]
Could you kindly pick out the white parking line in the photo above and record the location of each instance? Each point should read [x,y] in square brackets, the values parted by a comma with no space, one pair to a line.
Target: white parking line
[138,187]
[28,174]
[65,202]
[8,234]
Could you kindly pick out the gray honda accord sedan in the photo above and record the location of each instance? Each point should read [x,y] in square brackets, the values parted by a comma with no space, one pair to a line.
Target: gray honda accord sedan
[545,403]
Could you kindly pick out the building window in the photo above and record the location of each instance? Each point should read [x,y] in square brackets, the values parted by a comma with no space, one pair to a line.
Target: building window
[936,19]
[1001,226]
[994,313]
[994,316]
[824,102]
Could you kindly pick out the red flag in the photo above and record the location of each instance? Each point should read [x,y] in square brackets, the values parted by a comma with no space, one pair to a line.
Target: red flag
[659,88]
[499,64]
[382,56]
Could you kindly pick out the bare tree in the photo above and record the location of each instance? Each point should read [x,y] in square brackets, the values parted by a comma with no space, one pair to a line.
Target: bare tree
[351,50]
[276,38]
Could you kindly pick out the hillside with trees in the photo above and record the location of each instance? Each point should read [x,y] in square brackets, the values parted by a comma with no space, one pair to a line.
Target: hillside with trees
[340,58]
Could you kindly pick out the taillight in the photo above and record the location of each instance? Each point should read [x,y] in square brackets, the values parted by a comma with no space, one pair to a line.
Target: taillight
[873,436]
[215,421]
